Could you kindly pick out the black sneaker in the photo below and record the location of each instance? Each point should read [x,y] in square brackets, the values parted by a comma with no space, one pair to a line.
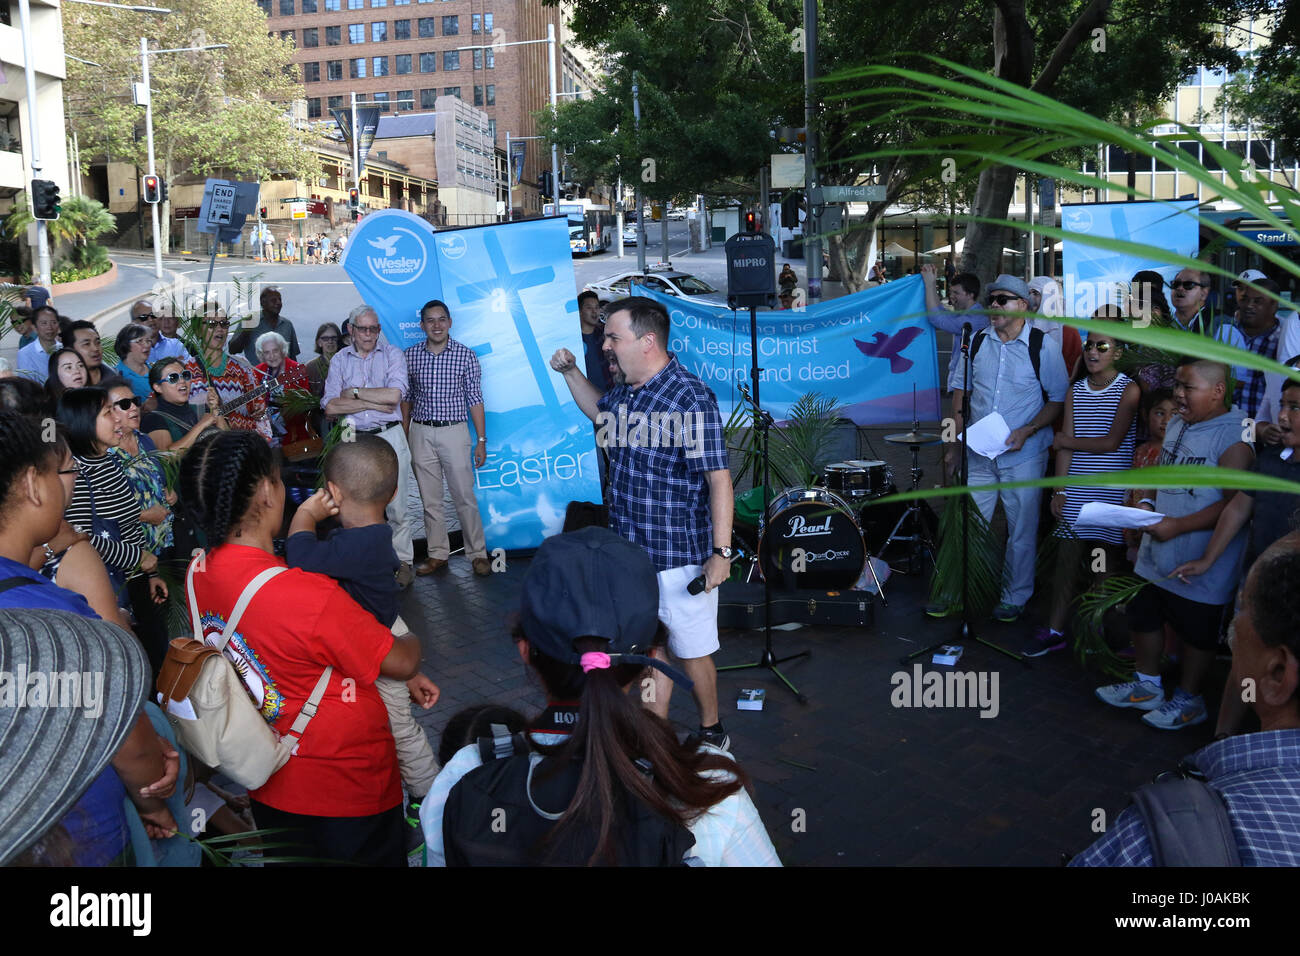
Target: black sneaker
[714,738]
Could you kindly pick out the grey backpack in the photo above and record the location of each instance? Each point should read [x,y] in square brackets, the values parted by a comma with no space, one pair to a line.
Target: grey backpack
[1186,822]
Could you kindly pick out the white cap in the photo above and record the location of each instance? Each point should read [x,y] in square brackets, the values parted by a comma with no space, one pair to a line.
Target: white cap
[1250,275]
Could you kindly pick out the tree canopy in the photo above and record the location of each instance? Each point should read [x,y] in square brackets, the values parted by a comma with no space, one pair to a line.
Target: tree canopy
[224,109]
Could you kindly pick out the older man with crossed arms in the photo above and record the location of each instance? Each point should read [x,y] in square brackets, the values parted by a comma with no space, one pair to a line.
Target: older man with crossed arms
[367,381]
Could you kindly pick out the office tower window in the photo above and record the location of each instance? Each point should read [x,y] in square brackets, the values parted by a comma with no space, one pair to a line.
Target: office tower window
[451,59]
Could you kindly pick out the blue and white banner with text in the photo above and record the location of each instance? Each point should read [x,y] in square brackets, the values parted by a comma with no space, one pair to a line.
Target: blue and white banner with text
[872,351]
[1095,276]
[510,290]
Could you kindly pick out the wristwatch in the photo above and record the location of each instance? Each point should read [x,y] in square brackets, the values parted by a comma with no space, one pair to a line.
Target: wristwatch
[356,394]
[482,441]
[724,552]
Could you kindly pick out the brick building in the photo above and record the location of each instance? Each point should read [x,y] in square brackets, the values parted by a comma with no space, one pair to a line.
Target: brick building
[405,54]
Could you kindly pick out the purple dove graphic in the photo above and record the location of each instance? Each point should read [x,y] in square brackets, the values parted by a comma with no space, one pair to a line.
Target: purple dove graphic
[889,347]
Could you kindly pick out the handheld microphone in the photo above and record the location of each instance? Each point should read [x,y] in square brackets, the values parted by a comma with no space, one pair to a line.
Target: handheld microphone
[965,337]
[696,586]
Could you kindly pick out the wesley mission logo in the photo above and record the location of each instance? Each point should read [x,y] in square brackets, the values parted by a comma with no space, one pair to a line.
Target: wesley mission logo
[400,255]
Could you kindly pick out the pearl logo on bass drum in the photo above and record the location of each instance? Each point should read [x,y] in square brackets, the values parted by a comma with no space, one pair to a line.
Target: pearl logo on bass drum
[799,528]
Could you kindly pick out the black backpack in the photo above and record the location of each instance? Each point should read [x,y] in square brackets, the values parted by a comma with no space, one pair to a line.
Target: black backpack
[1036,337]
[491,820]
[1186,821]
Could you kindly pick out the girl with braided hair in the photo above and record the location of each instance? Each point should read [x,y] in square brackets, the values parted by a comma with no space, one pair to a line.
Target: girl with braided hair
[340,794]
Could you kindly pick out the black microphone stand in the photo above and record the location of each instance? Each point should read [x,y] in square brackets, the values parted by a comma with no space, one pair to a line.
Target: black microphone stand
[966,630]
[763,422]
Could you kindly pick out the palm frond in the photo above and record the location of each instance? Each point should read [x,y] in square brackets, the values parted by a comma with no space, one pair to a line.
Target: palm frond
[983,563]
[1092,606]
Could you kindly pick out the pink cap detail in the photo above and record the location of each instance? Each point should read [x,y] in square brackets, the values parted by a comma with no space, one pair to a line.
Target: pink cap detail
[594,660]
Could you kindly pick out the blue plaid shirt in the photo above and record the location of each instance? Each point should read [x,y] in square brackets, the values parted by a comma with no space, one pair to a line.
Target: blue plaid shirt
[1250,389]
[1258,776]
[663,438]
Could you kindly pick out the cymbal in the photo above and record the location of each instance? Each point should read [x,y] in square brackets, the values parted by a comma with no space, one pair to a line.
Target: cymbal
[913,438]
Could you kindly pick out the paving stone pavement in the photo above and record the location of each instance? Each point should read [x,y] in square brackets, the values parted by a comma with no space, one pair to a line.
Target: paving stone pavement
[879,785]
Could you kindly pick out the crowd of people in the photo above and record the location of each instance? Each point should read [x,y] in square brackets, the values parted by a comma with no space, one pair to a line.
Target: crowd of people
[1074,410]
[118,473]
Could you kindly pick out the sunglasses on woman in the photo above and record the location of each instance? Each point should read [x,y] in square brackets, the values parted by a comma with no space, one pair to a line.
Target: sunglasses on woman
[171,378]
[1099,347]
[126,403]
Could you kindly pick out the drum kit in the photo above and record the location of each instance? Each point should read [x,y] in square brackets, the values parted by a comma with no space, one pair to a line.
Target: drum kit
[823,537]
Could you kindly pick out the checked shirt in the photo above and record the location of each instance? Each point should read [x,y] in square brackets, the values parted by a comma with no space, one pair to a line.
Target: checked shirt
[1250,390]
[443,386]
[662,439]
[1258,776]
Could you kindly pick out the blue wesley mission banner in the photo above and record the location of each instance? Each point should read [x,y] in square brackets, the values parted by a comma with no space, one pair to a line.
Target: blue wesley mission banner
[510,290]
[867,350]
[1093,274]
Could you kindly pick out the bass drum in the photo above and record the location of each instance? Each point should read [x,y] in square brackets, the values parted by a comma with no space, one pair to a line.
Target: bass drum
[816,530]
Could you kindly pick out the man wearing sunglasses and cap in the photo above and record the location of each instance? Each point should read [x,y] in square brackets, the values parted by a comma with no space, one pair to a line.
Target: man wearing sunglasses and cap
[1029,395]
[161,347]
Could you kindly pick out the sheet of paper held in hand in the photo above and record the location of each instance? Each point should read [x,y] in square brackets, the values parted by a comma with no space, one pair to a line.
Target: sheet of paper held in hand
[1099,514]
[988,436]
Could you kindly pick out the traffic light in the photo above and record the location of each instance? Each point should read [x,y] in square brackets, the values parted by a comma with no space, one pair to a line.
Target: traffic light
[152,193]
[261,213]
[354,198]
[751,222]
[45,199]
[544,183]
[162,186]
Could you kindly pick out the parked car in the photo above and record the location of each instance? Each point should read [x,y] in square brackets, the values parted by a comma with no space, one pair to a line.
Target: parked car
[665,282]
[678,213]
[629,235]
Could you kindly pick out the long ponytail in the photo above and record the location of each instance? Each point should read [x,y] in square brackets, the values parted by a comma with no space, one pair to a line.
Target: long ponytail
[612,733]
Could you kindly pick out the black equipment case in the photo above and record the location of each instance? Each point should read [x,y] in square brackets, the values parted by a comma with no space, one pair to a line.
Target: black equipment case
[740,606]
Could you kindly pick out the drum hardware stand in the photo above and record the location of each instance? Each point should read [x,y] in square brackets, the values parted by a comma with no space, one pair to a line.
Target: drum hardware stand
[919,538]
[966,631]
[763,422]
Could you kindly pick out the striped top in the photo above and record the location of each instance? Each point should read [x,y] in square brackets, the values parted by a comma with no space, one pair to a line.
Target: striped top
[114,501]
[1094,413]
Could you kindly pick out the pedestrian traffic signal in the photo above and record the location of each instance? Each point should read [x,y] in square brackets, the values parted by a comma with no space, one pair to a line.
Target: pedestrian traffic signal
[152,193]
[751,222]
[354,198]
[45,199]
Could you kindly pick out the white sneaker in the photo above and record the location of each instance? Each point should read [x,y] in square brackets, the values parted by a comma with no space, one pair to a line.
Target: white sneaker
[1183,711]
[1141,694]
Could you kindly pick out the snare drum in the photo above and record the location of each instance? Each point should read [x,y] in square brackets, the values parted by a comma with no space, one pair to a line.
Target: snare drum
[845,479]
[821,527]
[880,477]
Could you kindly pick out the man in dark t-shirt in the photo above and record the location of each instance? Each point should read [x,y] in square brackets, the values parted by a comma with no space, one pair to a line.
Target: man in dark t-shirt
[593,339]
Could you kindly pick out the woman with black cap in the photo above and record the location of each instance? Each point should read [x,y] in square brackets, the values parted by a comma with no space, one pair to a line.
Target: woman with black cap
[602,781]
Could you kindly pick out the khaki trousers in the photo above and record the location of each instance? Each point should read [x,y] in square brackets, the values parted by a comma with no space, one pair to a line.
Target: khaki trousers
[439,454]
[415,757]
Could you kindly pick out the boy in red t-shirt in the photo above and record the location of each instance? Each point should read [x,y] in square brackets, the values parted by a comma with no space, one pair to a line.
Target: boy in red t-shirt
[360,480]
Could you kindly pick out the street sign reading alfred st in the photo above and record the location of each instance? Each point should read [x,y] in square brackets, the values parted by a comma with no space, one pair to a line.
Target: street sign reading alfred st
[847,194]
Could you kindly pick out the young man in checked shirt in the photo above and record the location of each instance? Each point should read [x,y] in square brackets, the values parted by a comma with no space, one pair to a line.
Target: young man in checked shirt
[669,485]
[445,385]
